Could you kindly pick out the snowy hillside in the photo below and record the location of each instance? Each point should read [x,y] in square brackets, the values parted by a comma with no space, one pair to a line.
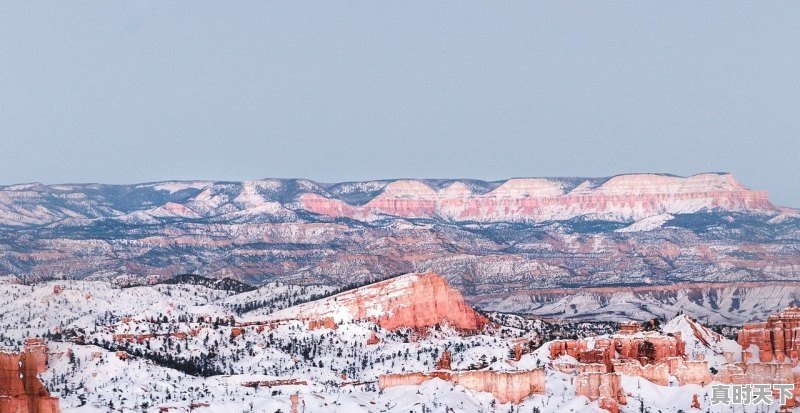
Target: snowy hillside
[183,347]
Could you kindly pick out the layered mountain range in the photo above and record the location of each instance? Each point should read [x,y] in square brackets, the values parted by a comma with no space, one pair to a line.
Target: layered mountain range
[500,243]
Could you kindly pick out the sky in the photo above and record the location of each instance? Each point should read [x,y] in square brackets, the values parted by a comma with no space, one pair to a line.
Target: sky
[139,91]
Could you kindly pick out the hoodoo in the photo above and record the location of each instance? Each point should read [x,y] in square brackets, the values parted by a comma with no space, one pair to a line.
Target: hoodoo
[20,388]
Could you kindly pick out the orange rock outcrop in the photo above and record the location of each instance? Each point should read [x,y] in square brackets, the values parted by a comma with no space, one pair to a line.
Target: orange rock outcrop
[506,386]
[373,339]
[20,388]
[693,372]
[605,387]
[444,361]
[412,300]
[639,195]
[777,339]
[649,348]
[295,400]
[770,353]
[601,360]
[324,322]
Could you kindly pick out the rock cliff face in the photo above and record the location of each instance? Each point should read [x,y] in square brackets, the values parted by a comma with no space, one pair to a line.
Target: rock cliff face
[777,339]
[656,373]
[770,353]
[693,372]
[643,348]
[20,388]
[412,300]
[649,355]
[506,386]
[605,387]
[626,197]
[749,373]
[444,361]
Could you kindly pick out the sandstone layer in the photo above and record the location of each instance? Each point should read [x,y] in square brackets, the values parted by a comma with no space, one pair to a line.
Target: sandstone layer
[20,388]
[506,386]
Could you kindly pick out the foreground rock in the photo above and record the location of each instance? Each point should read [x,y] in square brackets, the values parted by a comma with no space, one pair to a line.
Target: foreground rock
[20,388]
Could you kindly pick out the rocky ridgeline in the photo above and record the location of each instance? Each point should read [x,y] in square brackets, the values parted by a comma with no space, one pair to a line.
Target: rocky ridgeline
[499,243]
[625,197]
[416,301]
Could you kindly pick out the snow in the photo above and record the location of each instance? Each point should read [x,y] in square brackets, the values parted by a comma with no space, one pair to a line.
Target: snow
[94,377]
[647,224]
[175,186]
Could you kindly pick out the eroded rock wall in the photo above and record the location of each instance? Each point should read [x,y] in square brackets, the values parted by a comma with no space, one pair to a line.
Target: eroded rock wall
[777,339]
[21,391]
[506,386]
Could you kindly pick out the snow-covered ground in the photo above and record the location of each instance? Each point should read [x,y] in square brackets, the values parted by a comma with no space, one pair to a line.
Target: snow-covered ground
[339,369]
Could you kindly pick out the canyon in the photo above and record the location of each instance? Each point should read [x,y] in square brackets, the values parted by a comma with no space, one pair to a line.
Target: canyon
[506,245]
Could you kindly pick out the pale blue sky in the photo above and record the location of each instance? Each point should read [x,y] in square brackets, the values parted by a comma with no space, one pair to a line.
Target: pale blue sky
[121,92]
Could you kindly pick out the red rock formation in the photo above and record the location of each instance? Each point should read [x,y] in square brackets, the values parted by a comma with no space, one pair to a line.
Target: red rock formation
[627,196]
[444,361]
[517,351]
[591,368]
[510,386]
[324,322]
[695,402]
[646,348]
[755,373]
[607,403]
[236,332]
[20,388]
[373,339]
[631,327]
[656,373]
[776,339]
[402,379]
[731,374]
[506,386]
[600,386]
[411,300]
[651,356]
[693,372]
[295,399]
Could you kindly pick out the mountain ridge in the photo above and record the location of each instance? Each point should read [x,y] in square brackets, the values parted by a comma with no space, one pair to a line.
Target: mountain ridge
[483,237]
